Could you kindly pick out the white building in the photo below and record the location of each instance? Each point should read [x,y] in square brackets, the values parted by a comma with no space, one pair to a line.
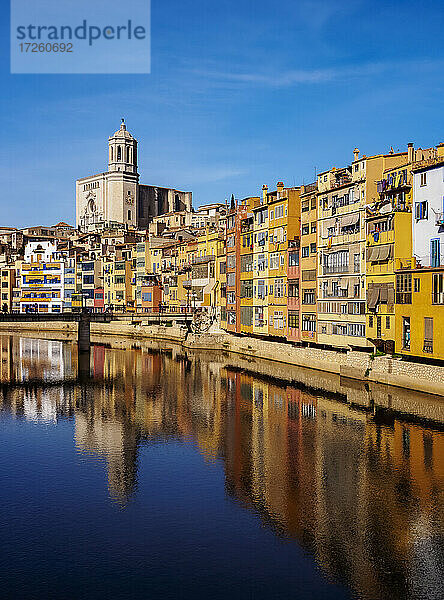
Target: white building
[428,211]
[208,215]
[42,278]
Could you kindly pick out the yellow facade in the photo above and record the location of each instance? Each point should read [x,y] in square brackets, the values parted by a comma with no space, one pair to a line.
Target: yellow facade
[7,283]
[308,260]
[260,265]
[283,224]
[419,313]
[117,286]
[389,239]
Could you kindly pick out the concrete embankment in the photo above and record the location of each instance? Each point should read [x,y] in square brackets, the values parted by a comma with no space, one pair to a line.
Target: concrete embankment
[351,365]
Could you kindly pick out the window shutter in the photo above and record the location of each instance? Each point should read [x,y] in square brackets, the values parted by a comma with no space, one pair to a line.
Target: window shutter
[428,329]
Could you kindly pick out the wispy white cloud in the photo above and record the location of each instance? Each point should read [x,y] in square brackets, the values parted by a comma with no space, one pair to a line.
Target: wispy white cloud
[294,77]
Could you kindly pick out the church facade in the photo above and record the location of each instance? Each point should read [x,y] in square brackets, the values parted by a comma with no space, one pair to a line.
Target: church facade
[116,196]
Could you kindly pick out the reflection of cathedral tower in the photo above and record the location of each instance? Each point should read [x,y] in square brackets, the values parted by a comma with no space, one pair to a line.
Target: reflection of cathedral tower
[116,442]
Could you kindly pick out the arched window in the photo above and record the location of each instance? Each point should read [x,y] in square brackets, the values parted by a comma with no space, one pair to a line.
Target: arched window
[112,154]
[127,154]
[119,153]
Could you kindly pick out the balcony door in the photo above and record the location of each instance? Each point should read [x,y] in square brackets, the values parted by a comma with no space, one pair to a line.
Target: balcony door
[435,253]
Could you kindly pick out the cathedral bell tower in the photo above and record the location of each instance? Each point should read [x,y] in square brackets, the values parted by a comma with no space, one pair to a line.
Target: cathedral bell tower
[122,151]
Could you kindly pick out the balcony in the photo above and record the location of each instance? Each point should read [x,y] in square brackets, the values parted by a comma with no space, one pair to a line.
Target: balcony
[405,263]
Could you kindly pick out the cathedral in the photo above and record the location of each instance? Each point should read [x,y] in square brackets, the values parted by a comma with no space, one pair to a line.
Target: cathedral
[116,196]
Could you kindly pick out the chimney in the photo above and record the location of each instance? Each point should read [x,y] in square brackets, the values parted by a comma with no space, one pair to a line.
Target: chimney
[264,192]
[440,150]
[410,153]
[355,154]
[280,188]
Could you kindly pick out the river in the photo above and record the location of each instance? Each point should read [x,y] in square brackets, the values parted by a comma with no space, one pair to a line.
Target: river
[156,473]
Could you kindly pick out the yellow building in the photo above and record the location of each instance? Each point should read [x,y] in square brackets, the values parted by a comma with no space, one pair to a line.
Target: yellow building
[117,288]
[419,311]
[260,265]
[389,239]
[246,270]
[342,199]
[283,224]
[308,264]
[7,282]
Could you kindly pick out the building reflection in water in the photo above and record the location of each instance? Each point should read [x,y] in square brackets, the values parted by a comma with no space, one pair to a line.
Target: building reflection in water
[359,489]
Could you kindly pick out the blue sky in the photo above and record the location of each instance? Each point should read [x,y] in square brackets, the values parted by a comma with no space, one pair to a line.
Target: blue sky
[240,94]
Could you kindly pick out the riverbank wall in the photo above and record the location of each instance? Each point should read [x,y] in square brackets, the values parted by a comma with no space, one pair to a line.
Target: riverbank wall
[353,365]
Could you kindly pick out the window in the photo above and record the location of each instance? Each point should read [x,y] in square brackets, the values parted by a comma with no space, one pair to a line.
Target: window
[313,248]
[246,290]
[438,288]
[274,260]
[406,333]
[293,320]
[293,259]
[282,260]
[258,316]
[293,289]
[305,251]
[278,288]
[404,288]
[129,215]
[387,322]
[356,263]
[435,252]
[423,179]
[416,284]
[246,263]
[339,329]
[231,261]
[231,317]
[428,335]
[370,321]
[308,322]
[421,210]
[247,316]
[336,262]
[261,262]
[313,228]
[309,275]
[356,329]
[356,308]
[231,279]
[305,229]
[231,298]
[309,297]
[261,289]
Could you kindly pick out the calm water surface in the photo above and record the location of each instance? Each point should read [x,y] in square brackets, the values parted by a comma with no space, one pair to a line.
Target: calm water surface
[153,473]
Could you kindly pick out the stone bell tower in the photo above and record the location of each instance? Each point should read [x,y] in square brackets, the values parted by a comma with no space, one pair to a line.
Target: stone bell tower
[122,151]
